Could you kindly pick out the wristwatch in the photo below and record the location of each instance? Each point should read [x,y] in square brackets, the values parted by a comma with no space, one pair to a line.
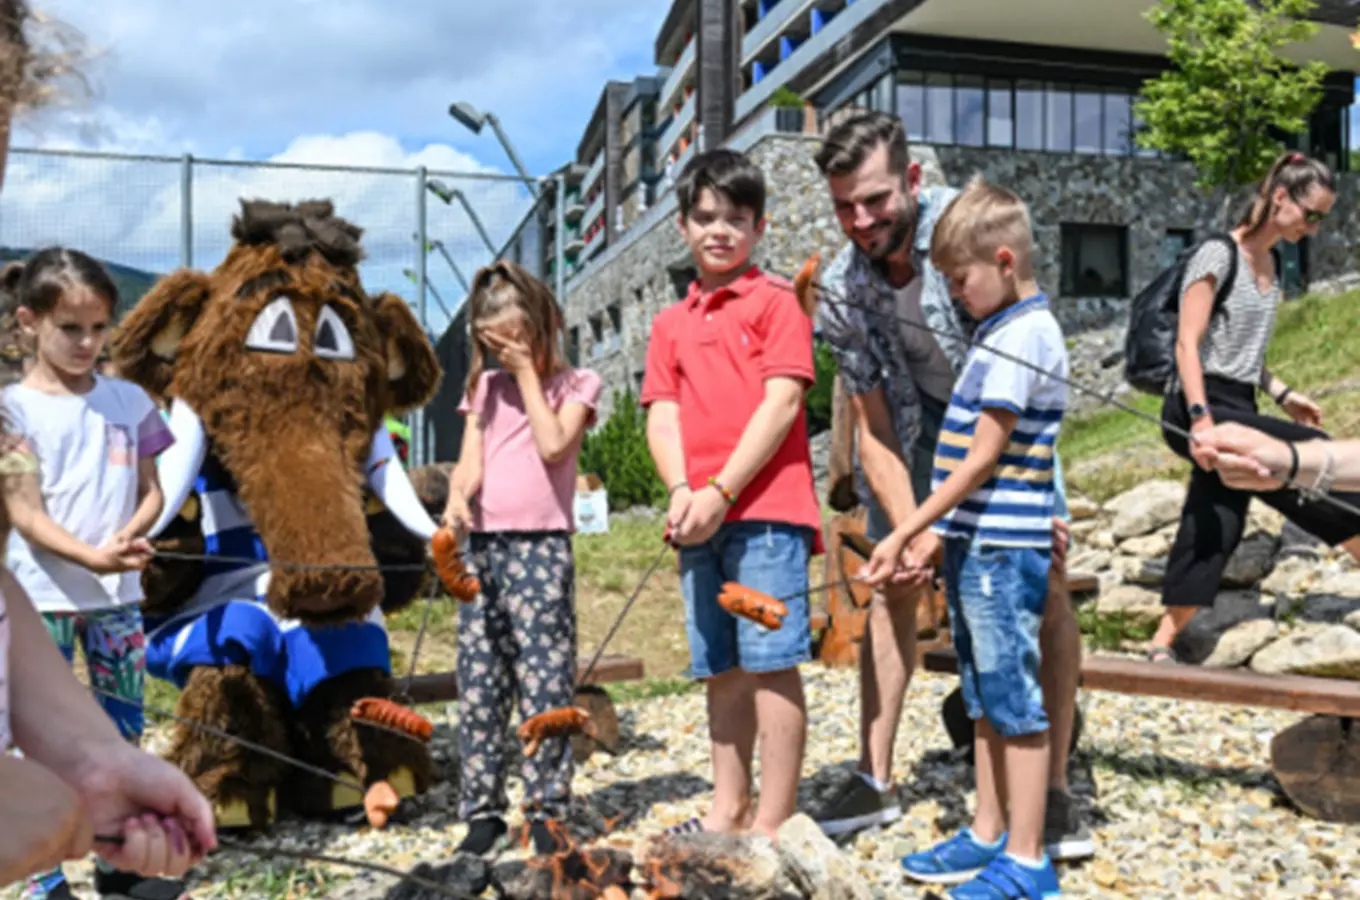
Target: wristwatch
[1198,411]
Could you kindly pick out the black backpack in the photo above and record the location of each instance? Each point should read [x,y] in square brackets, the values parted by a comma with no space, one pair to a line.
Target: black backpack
[1150,345]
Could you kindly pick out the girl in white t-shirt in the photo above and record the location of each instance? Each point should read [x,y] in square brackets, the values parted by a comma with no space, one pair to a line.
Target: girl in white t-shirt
[77,542]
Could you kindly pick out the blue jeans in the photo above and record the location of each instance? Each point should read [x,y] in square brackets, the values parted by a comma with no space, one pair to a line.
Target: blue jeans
[996,601]
[769,557]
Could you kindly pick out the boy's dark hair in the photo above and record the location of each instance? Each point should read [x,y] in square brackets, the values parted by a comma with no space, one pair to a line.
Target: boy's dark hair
[40,281]
[728,173]
[851,142]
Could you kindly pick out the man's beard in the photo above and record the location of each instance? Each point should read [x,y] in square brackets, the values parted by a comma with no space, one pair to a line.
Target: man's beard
[903,227]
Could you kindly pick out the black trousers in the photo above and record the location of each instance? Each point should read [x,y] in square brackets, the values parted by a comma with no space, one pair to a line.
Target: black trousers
[1214,516]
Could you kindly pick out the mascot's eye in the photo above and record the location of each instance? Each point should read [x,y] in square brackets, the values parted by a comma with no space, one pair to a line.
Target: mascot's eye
[275,328]
[332,340]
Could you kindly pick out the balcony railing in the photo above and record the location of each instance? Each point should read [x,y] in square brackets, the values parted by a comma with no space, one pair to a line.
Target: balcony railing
[594,244]
[680,72]
[594,209]
[837,29]
[593,173]
[770,27]
[678,125]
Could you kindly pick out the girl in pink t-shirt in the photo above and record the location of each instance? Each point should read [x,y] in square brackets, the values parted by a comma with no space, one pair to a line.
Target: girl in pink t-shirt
[511,494]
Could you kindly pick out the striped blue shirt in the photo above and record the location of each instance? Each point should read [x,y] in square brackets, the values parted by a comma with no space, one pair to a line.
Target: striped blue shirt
[1014,507]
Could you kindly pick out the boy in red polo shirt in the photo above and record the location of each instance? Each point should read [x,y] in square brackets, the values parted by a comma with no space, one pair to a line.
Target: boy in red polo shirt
[727,371]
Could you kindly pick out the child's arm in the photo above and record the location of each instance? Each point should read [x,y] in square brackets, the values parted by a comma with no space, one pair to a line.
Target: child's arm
[990,437]
[24,505]
[668,455]
[150,500]
[555,433]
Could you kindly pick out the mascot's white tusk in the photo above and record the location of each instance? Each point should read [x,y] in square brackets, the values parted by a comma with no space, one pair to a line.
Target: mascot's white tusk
[179,465]
[388,480]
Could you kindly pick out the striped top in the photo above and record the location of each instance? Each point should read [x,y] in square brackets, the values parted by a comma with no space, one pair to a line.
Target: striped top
[1014,507]
[1234,345]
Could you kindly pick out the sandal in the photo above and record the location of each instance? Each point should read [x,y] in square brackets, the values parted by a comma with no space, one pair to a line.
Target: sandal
[1161,655]
[689,826]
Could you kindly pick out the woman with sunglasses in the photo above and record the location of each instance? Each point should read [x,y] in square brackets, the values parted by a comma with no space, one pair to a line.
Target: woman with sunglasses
[1220,365]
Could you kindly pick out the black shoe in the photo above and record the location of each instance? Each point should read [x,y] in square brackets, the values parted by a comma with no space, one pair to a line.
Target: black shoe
[483,836]
[116,885]
[546,842]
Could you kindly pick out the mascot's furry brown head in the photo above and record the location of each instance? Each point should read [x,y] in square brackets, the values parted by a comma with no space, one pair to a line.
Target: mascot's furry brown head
[288,365]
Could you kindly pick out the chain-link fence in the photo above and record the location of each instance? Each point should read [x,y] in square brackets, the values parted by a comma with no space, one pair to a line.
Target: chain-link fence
[144,216]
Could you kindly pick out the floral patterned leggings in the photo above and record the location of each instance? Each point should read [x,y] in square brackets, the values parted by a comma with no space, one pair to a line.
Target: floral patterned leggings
[114,645]
[517,640]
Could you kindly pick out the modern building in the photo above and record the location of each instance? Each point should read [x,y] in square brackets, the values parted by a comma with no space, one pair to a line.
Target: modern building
[1034,94]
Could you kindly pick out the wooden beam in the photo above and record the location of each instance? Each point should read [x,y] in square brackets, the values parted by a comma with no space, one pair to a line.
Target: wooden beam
[440,687]
[1324,696]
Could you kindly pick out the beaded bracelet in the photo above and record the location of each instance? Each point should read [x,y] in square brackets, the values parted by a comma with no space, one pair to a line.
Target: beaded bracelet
[730,497]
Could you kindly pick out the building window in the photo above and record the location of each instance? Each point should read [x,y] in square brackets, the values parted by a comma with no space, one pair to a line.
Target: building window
[1029,115]
[1118,124]
[970,111]
[1058,119]
[911,104]
[615,314]
[1000,124]
[1175,242]
[1087,113]
[1095,260]
[939,109]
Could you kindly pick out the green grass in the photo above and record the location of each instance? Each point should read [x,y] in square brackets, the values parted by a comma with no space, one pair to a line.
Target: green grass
[1108,451]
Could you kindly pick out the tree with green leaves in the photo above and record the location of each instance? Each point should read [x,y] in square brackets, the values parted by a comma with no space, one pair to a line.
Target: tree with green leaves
[1229,93]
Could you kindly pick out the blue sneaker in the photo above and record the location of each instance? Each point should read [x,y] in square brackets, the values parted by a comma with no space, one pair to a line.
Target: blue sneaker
[953,861]
[1006,878]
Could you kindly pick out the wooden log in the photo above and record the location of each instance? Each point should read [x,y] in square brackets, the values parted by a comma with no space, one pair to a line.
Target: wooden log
[440,687]
[593,699]
[840,493]
[1317,762]
[1301,693]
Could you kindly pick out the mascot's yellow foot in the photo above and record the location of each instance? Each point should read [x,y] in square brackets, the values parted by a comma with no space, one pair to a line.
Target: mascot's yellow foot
[235,813]
[402,781]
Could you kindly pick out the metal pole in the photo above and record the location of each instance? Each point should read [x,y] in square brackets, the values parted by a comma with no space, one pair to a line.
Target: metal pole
[457,272]
[560,240]
[510,152]
[186,211]
[419,446]
[472,214]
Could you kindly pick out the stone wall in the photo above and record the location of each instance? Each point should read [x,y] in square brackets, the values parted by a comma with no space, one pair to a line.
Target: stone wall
[1148,196]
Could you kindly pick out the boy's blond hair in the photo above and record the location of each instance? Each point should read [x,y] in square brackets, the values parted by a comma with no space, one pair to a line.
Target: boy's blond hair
[980,220]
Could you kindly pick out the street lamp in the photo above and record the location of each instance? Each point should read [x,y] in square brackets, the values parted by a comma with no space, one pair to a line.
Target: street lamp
[448,195]
[415,279]
[470,118]
[436,244]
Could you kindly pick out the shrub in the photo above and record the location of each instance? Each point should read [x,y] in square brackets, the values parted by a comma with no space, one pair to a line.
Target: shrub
[617,452]
[819,398]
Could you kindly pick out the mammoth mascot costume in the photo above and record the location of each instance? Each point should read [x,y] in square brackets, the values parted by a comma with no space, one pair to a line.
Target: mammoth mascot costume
[278,369]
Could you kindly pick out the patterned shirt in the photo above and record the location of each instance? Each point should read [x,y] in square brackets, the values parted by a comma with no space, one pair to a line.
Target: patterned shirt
[1014,507]
[858,317]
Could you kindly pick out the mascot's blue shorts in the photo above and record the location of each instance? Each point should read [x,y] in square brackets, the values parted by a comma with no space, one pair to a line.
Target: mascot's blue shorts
[240,633]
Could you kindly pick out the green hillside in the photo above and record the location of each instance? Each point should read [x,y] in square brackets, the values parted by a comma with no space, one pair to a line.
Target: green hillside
[132,283]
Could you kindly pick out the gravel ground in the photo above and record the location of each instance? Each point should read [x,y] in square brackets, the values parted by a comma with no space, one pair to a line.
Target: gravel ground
[1179,795]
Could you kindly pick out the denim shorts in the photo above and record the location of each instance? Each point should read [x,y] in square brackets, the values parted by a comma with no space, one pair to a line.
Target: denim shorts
[768,557]
[996,601]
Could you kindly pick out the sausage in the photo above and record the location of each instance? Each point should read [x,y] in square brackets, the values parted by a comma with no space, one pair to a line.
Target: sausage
[554,723]
[448,564]
[803,287]
[393,715]
[763,609]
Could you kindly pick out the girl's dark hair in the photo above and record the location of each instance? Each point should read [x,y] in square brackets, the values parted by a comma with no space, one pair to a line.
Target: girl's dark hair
[502,286]
[40,281]
[1294,172]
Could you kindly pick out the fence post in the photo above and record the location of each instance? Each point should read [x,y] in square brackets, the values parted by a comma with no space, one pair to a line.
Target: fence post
[560,240]
[420,447]
[186,210]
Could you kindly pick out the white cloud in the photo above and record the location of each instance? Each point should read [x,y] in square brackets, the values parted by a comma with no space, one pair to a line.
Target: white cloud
[130,211]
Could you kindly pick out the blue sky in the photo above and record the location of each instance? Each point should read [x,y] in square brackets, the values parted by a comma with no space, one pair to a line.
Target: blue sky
[360,82]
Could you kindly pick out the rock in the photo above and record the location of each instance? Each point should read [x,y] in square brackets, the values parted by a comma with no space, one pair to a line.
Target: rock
[1294,541]
[1333,652]
[1261,517]
[533,879]
[1327,608]
[1236,645]
[1151,545]
[1086,560]
[1103,540]
[1146,508]
[1082,508]
[1147,572]
[743,867]
[464,874]
[1202,635]
[1353,620]
[815,865]
[1251,561]
[1083,530]
[1290,576]
[1339,584]
[1135,603]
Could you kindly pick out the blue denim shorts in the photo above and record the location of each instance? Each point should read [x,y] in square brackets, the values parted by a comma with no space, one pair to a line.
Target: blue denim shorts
[768,557]
[996,601]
